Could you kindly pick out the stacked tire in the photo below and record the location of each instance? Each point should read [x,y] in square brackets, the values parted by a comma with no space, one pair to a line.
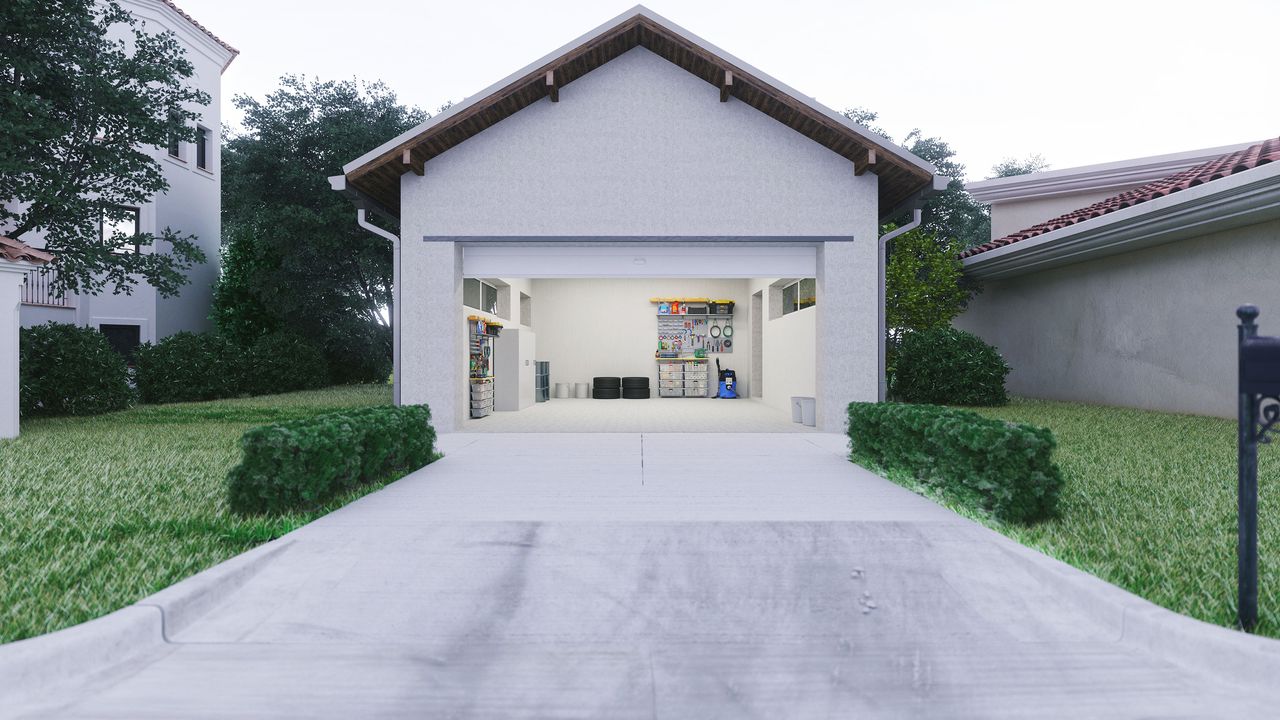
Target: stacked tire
[635,388]
[606,388]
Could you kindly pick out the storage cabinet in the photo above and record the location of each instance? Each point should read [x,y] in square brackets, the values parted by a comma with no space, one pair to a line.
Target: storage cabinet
[689,377]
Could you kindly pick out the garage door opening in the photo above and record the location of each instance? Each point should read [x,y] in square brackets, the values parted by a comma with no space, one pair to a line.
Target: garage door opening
[627,353]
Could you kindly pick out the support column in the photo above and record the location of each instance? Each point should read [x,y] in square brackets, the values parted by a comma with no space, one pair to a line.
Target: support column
[432,342]
[11,278]
[847,351]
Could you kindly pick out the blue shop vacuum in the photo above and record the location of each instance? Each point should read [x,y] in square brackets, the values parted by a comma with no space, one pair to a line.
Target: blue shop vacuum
[728,383]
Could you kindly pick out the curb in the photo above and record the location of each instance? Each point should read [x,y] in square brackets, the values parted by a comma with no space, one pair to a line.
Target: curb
[1223,653]
[33,668]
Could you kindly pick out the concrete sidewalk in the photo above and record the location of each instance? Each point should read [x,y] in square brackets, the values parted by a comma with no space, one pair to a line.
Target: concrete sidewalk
[655,576]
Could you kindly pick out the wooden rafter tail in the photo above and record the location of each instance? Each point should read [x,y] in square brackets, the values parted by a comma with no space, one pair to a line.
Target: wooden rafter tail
[412,161]
[726,87]
[553,91]
[865,162]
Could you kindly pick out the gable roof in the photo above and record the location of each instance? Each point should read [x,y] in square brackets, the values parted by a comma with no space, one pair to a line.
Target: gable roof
[902,175]
[1222,166]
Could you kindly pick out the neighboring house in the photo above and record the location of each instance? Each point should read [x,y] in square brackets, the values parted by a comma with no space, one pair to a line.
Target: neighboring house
[1121,281]
[17,260]
[192,206]
[639,161]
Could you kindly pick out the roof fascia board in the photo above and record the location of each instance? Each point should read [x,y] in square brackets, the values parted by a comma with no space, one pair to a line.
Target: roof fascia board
[339,184]
[1094,178]
[1245,198]
[196,36]
[635,12]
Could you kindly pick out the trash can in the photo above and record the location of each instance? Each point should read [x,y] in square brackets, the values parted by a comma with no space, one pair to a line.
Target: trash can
[808,411]
[797,409]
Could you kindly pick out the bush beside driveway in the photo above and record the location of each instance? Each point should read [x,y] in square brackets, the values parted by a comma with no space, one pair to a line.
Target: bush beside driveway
[1149,504]
[102,511]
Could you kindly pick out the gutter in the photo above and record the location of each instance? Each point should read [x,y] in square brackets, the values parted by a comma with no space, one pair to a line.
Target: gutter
[395,299]
[882,259]
[1246,198]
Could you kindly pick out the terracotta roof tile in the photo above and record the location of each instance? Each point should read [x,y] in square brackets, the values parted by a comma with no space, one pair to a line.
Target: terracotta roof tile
[205,30]
[1229,164]
[18,251]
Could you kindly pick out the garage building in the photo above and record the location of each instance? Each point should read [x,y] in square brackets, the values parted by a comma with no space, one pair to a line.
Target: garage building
[638,166]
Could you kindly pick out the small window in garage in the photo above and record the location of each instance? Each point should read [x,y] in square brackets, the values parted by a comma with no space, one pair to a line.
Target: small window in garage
[480,295]
[799,295]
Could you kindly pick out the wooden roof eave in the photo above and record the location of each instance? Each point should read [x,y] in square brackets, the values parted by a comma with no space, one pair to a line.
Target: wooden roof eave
[377,173]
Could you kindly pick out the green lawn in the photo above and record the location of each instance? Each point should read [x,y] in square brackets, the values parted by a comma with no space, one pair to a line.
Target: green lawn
[1150,505]
[100,512]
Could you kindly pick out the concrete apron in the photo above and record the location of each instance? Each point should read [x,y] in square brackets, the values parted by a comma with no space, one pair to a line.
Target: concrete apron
[655,576]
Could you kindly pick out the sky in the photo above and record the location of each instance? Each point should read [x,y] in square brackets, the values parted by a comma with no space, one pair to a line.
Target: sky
[1076,81]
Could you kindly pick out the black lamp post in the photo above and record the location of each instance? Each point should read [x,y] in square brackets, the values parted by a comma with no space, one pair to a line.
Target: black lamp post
[1259,376]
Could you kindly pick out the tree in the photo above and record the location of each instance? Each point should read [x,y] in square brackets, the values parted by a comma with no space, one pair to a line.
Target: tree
[86,93]
[1010,167]
[950,214]
[924,288]
[293,256]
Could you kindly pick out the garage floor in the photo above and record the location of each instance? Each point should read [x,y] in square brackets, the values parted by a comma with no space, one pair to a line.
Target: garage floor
[633,416]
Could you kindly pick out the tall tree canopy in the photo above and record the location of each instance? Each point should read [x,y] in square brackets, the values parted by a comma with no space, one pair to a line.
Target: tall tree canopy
[952,214]
[293,257]
[86,93]
[1009,167]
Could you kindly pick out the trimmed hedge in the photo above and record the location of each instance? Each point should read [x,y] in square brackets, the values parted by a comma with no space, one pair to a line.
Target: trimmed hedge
[946,366]
[1003,467]
[67,369]
[301,464]
[189,367]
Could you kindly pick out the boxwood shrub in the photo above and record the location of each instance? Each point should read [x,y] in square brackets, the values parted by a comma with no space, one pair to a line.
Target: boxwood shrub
[1003,467]
[188,367]
[69,370]
[299,465]
[946,366]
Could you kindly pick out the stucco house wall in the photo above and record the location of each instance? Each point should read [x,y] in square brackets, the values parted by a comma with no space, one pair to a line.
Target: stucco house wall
[191,206]
[1010,216]
[1153,328]
[638,147]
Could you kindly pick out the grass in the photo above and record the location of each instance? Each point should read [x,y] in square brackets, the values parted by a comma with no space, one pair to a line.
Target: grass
[1149,504]
[102,511]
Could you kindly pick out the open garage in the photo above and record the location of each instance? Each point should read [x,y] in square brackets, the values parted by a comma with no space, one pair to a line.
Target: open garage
[637,205]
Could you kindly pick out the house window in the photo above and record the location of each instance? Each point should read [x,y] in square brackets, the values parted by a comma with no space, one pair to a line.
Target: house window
[175,142]
[799,295]
[120,229]
[124,339]
[480,295]
[202,148]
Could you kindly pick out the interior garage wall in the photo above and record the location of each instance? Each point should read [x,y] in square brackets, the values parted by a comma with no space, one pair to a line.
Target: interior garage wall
[789,350]
[1152,329]
[509,290]
[592,327]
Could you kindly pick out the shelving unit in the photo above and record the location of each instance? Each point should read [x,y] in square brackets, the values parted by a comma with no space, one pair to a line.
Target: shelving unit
[481,333]
[684,377]
[542,381]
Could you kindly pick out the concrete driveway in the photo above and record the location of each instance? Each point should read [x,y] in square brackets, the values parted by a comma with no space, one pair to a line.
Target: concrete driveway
[668,576]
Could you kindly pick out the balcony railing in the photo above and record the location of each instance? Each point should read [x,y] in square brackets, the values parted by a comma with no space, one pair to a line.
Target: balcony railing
[38,290]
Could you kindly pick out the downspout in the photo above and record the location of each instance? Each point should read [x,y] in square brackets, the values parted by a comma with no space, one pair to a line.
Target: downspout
[881,263]
[395,299]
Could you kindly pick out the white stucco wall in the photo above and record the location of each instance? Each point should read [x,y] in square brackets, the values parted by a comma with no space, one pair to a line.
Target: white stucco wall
[1152,329]
[191,206]
[639,147]
[589,328]
[11,278]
